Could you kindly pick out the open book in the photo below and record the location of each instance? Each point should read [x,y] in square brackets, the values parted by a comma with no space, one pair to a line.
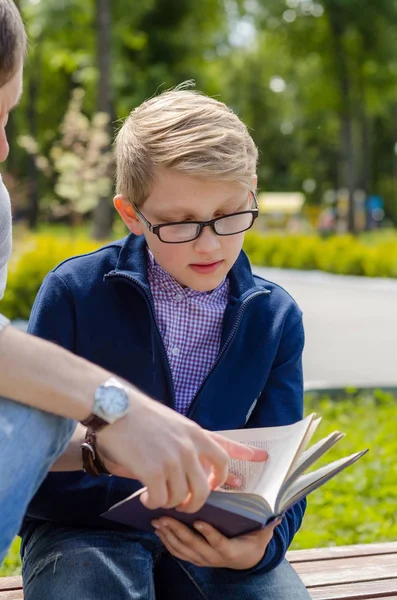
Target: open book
[268,488]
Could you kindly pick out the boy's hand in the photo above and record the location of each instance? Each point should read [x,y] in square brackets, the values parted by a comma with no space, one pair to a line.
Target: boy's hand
[178,461]
[209,548]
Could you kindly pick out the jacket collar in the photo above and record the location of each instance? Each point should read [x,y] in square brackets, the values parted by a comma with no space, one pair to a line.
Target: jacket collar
[132,262]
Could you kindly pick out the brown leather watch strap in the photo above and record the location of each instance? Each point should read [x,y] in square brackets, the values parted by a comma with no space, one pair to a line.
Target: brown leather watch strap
[92,464]
[94,422]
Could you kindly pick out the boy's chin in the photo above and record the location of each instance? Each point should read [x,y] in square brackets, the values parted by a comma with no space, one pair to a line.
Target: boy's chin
[203,283]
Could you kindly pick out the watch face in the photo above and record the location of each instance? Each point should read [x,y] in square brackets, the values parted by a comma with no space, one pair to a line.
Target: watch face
[112,403]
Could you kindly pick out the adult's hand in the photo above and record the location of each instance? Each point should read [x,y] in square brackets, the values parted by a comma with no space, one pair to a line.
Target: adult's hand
[178,461]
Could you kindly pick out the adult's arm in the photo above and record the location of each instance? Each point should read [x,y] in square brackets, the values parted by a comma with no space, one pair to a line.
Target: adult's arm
[168,453]
[45,376]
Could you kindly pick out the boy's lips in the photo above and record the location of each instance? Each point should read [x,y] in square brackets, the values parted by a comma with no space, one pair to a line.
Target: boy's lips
[205,268]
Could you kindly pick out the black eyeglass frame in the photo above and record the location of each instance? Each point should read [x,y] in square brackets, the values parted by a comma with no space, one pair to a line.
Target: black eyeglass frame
[201,224]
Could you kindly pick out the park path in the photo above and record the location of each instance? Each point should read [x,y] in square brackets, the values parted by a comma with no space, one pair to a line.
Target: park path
[350,323]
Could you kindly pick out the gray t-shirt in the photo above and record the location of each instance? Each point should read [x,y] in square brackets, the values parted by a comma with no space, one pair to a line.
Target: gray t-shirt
[5,235]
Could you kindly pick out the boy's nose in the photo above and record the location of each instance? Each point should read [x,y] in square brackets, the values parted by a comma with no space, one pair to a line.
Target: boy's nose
[207,241]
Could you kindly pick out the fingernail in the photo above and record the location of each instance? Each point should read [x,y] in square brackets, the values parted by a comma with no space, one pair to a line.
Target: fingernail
[199,526]
[156,524]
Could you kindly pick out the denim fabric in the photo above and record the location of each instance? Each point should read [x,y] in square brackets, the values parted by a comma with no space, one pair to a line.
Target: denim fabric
[62,563]
[30,441]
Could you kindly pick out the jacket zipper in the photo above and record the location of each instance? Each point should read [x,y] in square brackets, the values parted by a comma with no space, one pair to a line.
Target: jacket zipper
[233,332]
[231,335]
[153,312]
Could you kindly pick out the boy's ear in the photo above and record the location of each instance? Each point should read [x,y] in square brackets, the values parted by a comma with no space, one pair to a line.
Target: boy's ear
[128,214]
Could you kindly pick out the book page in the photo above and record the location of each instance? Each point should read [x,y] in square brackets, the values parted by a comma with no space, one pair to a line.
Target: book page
[311,481]
[308,436]
[282,443]
[309,457]
[316,450]
[249,472]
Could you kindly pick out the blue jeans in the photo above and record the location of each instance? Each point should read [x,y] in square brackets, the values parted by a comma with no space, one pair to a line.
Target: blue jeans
[63,563]
[30,441]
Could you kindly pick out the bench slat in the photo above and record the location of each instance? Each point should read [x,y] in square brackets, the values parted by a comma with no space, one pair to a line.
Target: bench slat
[367,590]
[10,583]
[342,563]
[348,570]
[296,556]
[13,595]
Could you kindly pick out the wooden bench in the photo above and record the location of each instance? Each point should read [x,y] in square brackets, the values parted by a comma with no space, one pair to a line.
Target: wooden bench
[348,572]
[362,572]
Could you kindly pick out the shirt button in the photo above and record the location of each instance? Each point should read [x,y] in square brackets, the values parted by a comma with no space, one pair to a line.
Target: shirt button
[175,351]
[178,297]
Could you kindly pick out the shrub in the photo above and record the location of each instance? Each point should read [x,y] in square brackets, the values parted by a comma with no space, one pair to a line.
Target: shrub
[342,254]
[29,268]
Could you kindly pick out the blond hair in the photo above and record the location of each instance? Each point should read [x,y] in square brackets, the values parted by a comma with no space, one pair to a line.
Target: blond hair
[13,40]
[185,131]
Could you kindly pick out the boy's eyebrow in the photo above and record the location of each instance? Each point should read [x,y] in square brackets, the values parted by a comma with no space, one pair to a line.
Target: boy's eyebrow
[178,215]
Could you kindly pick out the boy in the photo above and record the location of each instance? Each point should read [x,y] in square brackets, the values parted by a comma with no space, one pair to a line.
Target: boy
[175,309]
[57,384]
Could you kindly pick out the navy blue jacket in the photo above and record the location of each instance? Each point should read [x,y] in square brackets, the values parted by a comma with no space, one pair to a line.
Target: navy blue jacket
[100,307]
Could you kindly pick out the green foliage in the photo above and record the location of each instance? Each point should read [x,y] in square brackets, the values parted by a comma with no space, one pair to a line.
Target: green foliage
[12,562]
[359,505]
[337,62]
[81,160]
[27,271]
[344,254]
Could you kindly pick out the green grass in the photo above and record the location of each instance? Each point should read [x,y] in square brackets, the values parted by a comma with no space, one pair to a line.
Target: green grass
[12,562]
[359,505]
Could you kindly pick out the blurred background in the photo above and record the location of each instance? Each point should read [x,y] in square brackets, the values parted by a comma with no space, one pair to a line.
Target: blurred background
[315,81]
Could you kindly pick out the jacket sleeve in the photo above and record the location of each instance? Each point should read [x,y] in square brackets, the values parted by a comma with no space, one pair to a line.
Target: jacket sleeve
[281,403]
[53,313]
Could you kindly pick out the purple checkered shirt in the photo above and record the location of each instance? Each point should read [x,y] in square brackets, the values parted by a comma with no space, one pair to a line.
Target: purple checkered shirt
[190,324]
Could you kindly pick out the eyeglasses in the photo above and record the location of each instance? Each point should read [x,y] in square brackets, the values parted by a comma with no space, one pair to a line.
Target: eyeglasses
[187,231]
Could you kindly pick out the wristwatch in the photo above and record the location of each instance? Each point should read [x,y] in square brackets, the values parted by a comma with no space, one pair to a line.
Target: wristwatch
[111,403]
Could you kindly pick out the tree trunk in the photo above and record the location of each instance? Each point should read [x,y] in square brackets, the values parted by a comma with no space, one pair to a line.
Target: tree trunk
[346,114]
[103,213]
[394,212]
[366,176]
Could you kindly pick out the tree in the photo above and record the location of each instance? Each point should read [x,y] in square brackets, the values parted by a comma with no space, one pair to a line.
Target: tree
[356,57]
[103,213]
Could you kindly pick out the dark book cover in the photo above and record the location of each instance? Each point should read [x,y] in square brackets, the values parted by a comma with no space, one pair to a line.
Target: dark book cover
[133,513]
